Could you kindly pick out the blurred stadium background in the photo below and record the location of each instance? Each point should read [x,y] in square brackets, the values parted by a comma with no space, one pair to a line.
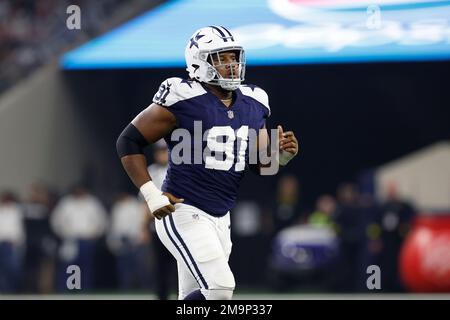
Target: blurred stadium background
[363,84]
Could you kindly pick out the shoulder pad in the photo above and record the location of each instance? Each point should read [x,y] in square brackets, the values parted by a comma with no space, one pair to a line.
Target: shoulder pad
[256,93]
[174,90]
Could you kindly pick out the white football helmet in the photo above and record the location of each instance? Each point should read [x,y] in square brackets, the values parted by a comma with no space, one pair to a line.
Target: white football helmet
[199,52]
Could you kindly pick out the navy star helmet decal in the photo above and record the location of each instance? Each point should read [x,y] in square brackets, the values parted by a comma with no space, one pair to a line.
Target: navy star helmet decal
[194,40]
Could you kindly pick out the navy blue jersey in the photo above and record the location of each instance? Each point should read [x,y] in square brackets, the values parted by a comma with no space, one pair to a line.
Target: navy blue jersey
[210,182]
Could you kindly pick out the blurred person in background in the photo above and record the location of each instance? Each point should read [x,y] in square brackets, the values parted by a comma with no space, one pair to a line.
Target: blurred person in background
[324,212]
[287,215]
[323,217]
[371,251]
[12,240]
[305,255]
[351,228]
[128,240]
[40,242]
[252,240]
[159,167]
[79,220]
[165,264]
[396,218]
[287,209]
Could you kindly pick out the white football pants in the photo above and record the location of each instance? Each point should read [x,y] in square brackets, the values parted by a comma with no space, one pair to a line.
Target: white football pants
[201,244]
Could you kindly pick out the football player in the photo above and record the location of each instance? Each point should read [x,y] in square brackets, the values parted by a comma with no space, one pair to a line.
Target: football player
[193,207]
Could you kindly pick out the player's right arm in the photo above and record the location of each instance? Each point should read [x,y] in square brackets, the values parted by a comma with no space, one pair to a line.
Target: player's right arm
[148,127]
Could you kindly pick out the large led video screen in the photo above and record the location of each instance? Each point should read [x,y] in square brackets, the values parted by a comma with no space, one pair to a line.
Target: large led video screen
[278,32]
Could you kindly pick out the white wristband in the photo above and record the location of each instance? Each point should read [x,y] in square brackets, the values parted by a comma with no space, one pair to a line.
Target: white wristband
[285,157]
[153,196]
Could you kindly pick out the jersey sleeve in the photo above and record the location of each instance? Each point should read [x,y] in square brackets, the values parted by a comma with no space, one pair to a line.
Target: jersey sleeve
[264,100]
[167,94]
[174,90]
[173,93]
[259,95]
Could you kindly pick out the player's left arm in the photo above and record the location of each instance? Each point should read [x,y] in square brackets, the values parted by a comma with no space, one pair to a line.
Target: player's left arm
[288,147]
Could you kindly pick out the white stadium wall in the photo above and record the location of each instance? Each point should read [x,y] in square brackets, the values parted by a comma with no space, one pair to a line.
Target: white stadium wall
[42,135]
[422,177]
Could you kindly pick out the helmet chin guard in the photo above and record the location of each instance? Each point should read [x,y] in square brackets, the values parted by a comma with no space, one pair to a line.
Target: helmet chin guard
[203,45]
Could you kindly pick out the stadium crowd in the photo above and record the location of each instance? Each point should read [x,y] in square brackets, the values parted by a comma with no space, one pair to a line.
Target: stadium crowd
[33,32]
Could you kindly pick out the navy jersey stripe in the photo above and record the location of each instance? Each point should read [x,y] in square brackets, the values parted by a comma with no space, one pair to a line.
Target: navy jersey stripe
[179,250]
[187,251]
